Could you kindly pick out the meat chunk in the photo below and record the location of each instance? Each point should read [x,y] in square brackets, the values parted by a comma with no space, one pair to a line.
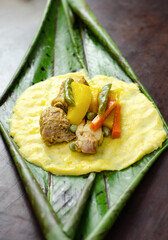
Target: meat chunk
[87,143]
[59,101]
[54,126]
[88,140]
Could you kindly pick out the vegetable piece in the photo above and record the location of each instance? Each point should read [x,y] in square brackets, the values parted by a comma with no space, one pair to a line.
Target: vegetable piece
[94,100]
[82,97]
[103,99]
[115,93]
[68,92]
[109,120]
[98,120]
[116,130]
[90,115]
[106,131]
[73,128]
[72,146]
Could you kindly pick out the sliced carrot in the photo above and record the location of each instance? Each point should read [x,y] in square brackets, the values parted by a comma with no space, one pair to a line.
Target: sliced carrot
[98,120]
[116,129]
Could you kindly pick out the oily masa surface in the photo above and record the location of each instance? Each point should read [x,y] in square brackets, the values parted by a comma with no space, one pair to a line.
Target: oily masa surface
[141,129]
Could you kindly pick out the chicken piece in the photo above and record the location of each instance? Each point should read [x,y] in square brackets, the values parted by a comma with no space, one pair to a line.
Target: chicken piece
[55,127]
[97,134]
[87,143]
[80,127]
[88,140]
[59,101]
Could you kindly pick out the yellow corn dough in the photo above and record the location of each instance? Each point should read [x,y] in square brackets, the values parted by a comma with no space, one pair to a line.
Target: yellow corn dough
[141,129]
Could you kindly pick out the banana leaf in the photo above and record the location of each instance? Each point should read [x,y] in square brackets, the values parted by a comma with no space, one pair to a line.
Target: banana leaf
[111,189]
[60,47]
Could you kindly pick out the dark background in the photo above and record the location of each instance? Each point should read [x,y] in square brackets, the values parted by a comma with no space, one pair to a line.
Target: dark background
[140,29]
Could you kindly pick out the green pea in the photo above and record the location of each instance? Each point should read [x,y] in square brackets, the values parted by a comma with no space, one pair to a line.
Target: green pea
[72,146]
[73,128]
[90,116]
[106,131]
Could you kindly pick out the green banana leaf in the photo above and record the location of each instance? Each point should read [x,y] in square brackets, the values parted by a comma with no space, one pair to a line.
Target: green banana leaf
[111,189]
[66,42]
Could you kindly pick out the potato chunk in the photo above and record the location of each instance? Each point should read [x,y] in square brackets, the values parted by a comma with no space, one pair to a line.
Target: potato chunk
[94,100]
[82,97]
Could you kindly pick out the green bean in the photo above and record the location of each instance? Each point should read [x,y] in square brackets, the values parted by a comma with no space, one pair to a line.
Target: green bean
[103,99]
[90,115]
[106,131]
[73,128]
[68,96]
[72,146]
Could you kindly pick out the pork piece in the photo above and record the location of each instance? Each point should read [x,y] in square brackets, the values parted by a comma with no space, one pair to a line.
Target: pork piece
[54,126]
[59,101]
[88,140]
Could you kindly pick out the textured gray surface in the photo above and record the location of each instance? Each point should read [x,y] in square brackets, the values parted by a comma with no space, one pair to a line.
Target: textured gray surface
[19,21]
[140,29]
